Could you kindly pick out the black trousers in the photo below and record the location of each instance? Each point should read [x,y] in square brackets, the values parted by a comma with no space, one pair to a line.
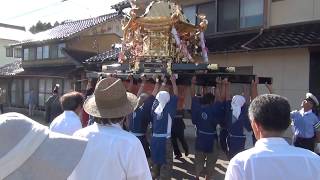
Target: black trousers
[145,145]
[306,143]
[175,136]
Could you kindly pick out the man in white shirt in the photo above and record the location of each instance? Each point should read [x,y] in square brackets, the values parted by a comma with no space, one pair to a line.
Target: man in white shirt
[111,153]
[69,121]
[272,157]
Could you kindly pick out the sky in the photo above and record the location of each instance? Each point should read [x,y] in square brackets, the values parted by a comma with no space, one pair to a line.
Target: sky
[29,12]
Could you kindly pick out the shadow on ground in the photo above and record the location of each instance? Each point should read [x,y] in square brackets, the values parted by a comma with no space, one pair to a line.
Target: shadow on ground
[184,167]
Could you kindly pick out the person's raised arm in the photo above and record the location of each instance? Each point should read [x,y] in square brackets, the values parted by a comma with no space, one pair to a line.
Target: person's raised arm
[254,88]
[226,85]
[129,88]
[269,87]
[143,81]
[218,92]
[156,87]
[193,86]
[174,85]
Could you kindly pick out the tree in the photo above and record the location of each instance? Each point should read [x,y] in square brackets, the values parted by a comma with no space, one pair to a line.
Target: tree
[39,27]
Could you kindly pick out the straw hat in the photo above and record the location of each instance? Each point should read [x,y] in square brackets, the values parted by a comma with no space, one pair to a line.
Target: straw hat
[110,100]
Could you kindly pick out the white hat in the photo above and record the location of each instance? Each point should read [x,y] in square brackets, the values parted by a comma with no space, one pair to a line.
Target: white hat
[30,150]
[313,98]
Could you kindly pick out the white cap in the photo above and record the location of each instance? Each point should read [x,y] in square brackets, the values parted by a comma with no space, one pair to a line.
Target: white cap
[314,98]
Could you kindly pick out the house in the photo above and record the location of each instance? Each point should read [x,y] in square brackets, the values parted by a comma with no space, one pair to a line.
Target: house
[10,34]
[276,38]
[56,56]
[10,57]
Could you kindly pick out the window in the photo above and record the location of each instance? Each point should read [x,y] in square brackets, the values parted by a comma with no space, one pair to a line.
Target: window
[17,52]
[67,86]
[39,52]
[209,9]
[26,54]
[26,91]
[45,52]
[190,12]
[228,15]
[13,92]
[236,14]
[32,53]
[45,90]
[53,51]
[60,53]
[251,13]
[9,52]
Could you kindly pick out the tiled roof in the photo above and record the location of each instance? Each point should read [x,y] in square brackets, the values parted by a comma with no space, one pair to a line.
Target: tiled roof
[121,5]
[285,36]
[109,55]
[11,69]
[61,71]
[70,28]
[79,56]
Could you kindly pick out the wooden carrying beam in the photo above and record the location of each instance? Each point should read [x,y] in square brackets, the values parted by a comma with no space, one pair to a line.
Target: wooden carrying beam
[207,79]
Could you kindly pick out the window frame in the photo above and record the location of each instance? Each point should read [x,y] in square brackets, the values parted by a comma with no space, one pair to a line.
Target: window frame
[34,50]
[43,52]
[53,51]
[9,51]
[60,53]
[26,52]
[17,53]
[239,29]
[37,54]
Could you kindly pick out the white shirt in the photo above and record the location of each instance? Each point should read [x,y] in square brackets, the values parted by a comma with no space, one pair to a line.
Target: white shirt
[111,153]
[66,123]
[274,158]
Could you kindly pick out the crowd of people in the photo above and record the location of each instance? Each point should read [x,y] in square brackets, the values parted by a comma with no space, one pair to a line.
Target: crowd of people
[113,133]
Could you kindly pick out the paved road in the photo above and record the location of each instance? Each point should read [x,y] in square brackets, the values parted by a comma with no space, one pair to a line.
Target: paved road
[184,167]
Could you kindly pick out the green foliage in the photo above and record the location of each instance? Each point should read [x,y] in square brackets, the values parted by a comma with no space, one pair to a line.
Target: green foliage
[40,26]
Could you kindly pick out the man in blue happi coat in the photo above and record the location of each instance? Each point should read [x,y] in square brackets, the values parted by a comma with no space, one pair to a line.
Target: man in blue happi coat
[140,119]
[207,111]
[239,132]
[163,112]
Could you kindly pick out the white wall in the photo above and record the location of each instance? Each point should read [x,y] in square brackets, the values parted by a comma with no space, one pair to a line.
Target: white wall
[292,11]
[288,68]
[3,59]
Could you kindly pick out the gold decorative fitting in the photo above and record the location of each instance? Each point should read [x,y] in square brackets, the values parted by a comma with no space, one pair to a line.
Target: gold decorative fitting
[212,66]
[169,71]
[231,69]
[136,66]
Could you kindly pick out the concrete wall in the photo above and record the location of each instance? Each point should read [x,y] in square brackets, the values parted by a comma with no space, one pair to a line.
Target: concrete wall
[292,11]
[288,68]
[3,59]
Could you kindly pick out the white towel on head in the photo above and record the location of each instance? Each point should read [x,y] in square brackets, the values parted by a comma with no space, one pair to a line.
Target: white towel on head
[163,98]
[236,105]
